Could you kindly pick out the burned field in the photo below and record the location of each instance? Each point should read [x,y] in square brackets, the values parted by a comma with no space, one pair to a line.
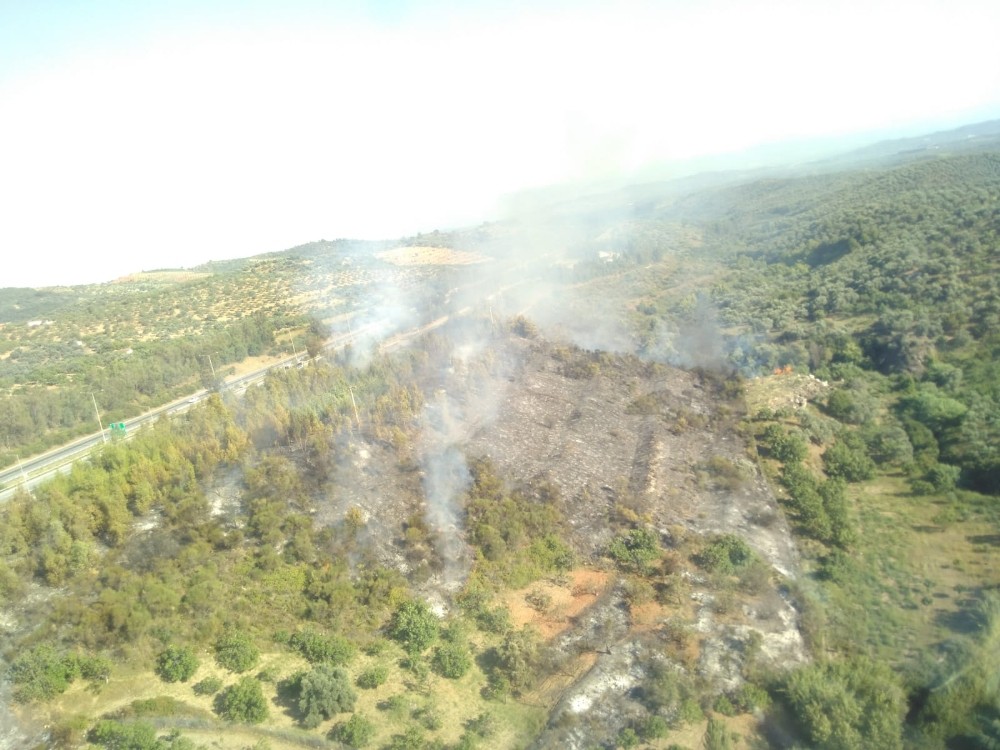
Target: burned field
[611,444]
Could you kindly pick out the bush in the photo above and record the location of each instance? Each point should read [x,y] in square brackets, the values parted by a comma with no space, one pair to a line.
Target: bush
[41,674]
[414,626]
[484,725]
[116,735]
[244,702]
[451,660]
[373,677]
[208,686]
[236,652]
[847,705]
[322,649]
[357,732]
[323,692]
[176,664]
[717,736]
[494,620]
[653,728]
[848,458]
[635,550]
[726,555]
[750,698]
[412,739]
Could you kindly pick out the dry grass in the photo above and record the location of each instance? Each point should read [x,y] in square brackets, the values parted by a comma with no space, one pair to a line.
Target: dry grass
[429,256]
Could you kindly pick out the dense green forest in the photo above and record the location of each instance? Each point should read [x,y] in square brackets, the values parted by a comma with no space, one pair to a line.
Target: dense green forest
[842,325]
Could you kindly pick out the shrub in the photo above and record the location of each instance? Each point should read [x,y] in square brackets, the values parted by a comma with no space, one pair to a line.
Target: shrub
[322,649]
[373,677]
[176,664]
[41,674]
[848,458]
[724,706]
[636,549]
[726,555]
[356,732]
[846,705]
[653,728]
[236,652]
[485,725]
[116,735]
[323,692]
[750,698]
[414,626]
[244,702]
[451,660]
[208,686]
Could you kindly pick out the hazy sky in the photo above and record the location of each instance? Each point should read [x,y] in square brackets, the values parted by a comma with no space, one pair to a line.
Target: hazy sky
[143,134]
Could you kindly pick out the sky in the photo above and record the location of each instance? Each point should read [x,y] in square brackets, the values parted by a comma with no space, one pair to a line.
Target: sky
[143,134]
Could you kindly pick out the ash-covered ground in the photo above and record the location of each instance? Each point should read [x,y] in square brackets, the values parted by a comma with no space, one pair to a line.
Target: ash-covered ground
[615,437]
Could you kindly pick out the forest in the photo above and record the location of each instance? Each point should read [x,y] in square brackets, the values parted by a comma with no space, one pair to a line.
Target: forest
[765,517]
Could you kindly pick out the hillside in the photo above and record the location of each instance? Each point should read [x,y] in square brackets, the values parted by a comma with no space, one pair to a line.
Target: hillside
[700,464]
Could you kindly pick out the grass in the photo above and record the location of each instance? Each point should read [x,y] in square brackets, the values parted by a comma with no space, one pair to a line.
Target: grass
[453,701]
[907,580]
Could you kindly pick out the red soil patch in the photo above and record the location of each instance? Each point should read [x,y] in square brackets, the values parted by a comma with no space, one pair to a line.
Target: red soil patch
[556,605]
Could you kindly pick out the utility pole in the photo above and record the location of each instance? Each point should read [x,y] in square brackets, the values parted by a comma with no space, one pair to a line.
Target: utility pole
[355,403]
[104,438]
[24,479]
[24,476]
[214,378]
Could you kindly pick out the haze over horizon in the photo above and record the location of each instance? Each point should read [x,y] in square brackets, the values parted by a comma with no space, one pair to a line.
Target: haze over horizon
[173,134]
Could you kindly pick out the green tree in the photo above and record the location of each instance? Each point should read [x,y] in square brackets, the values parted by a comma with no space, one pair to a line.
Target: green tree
[236,652]
[717,736]
[323,692]
[356,732]
[848,458]
[414,626]
[451,660]
[41,674]
[847,705]
[636,549]
[244,702]
[726,554]
[176,664]
[117,735]
[373,677]
[322,649]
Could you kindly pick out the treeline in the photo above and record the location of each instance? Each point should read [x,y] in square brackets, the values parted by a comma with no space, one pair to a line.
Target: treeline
[36,416]
[894,272]
[151,571]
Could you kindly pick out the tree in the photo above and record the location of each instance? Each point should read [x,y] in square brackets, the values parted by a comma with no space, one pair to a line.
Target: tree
[848,705]
[356,732]
[41,674]
[373,677]
[414,626]
[176,664]
[636,549]
[116,735]
[451,660]
[236,652]
[323,692]
[848,458]
[717,736]
[244,702]
[316,648]
[726,554]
